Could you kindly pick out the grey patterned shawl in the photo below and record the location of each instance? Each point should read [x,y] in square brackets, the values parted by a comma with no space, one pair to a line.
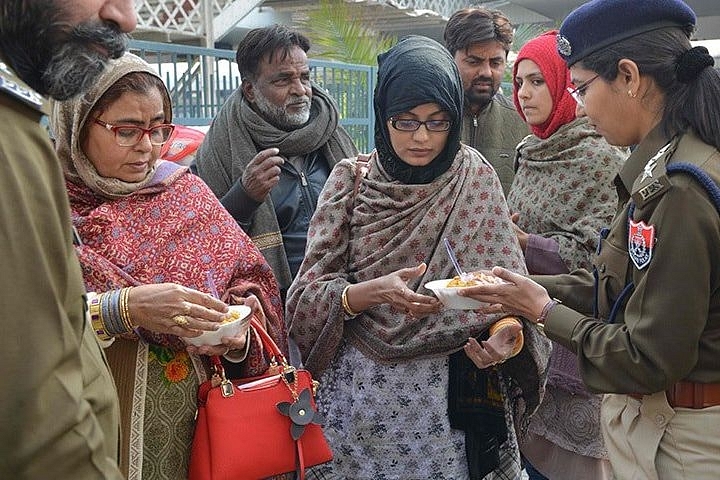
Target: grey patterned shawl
[563,189]
[392,226]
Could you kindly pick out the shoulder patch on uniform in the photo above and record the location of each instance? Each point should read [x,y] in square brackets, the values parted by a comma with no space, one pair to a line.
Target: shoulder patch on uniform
[641,242]
[653,180]
[11,86]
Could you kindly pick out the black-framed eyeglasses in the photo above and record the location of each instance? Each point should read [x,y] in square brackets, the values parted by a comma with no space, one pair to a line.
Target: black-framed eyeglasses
[578,93]
[408,125]
[130,135]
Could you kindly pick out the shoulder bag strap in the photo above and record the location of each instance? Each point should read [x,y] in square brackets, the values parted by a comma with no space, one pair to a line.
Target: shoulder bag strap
[362,166]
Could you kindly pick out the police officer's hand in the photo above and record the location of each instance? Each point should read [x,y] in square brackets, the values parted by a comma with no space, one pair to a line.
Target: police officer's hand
[174,309]
[262,174]
[518,295]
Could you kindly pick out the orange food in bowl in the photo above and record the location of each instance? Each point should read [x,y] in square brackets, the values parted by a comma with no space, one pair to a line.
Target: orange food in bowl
[478,278]
[231,316]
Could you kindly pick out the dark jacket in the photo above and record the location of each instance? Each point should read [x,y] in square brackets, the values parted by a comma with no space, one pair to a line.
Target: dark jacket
[495,132]
[294,199]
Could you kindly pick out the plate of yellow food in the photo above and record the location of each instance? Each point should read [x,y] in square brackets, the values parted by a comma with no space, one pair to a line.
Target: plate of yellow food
[446,290]
[233,324]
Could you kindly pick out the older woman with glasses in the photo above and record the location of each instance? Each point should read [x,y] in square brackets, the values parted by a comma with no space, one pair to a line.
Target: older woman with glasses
[410,389]
[157,250]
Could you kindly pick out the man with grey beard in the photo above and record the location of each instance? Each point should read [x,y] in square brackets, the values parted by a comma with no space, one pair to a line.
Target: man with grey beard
[59,409]
[271,147]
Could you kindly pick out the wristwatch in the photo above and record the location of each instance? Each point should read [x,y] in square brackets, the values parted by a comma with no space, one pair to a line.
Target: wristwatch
[540,322]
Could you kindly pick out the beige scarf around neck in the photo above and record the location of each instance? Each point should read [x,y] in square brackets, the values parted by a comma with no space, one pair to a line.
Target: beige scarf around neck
[67,122]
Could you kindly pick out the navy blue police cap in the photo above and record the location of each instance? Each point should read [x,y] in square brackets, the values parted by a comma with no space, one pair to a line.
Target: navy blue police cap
[600,23]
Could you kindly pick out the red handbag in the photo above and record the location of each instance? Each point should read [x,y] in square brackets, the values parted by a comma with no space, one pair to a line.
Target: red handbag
[257,427]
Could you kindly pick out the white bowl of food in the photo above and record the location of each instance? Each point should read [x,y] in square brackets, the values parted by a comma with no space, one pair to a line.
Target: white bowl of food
[446,290]
[234,324]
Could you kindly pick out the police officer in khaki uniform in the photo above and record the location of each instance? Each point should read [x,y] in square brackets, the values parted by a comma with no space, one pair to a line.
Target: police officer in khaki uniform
[58,407]
[645,323]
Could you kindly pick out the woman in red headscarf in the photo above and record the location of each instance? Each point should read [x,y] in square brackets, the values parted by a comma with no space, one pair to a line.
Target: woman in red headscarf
[561,196]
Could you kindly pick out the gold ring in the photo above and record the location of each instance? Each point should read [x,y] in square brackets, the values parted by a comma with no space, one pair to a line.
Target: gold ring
[180,320]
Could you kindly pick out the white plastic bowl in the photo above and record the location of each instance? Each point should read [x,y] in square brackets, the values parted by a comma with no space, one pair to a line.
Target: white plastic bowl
[449,295]
[227,329]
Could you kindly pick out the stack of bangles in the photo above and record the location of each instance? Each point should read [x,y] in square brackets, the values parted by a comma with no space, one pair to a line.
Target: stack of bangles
[504,323]
[109,313]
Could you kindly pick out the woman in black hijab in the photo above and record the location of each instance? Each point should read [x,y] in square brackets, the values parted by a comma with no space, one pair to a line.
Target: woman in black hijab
[414,72]
[396,388]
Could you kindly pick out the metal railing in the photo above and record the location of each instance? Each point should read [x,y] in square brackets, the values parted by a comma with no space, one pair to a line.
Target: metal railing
[201,79]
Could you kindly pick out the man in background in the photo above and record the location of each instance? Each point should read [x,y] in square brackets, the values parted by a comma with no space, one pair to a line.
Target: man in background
[479,39]
[271,147]
[59,408]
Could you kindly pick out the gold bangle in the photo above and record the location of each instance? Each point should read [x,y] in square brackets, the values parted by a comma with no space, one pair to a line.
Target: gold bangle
[506,322]
[502,323]
[96,319]
[346,305]
[125,309]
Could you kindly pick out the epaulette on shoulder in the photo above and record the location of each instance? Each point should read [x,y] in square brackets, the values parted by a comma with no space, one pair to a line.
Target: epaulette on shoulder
[654,181]
[12,86]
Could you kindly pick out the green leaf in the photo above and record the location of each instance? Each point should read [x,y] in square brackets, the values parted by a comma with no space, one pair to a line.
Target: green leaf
[339,33]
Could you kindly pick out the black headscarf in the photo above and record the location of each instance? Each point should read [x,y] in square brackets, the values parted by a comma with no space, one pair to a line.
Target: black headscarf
[415,71]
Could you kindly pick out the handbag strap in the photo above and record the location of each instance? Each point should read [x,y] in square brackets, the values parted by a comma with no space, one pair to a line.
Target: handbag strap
[267,342]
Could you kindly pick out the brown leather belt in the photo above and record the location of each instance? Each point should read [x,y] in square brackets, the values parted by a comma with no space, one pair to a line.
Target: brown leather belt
[690,395]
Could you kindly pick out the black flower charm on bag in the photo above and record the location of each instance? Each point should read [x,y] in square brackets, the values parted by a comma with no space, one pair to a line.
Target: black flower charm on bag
[301,413]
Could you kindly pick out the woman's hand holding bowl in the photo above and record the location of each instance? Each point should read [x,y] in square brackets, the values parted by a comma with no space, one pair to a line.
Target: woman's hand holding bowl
[173,309]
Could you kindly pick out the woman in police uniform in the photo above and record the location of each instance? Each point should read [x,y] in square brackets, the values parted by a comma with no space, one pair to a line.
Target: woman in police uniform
[645,323]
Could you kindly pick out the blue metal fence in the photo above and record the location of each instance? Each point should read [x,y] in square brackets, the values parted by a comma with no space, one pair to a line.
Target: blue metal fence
[201,79]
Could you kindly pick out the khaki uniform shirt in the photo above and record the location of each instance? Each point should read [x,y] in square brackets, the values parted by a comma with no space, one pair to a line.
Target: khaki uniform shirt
[668,329]
[58,408]
[495,132]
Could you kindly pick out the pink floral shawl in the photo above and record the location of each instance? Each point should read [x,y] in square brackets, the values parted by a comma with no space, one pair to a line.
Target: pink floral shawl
[172,230]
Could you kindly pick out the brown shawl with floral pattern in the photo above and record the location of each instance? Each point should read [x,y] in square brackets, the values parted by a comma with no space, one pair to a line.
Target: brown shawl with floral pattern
[393,226]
